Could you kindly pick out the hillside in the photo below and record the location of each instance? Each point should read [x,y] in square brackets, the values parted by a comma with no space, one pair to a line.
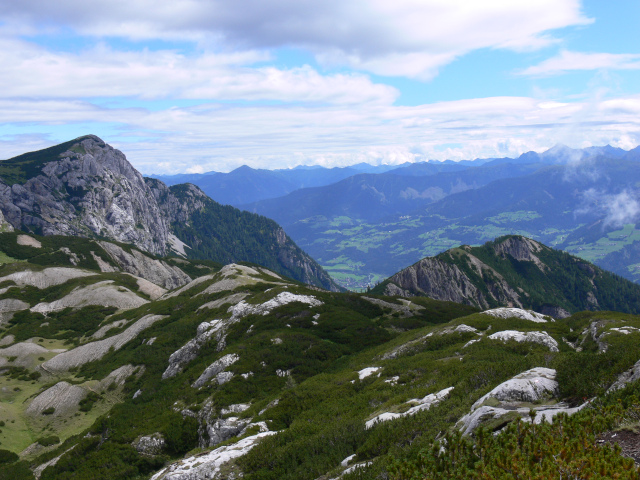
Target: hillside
[87,188]
[515,271]
[246,184]
[243,372]
[375,226]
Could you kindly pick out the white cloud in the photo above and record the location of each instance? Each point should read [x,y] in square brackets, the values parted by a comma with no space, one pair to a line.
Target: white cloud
[568,61]
[31,71]
[616,209]
[212,136]
[404,37]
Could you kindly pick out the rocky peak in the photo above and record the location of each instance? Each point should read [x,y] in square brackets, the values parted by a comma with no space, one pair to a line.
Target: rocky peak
[88,190]
[520,248]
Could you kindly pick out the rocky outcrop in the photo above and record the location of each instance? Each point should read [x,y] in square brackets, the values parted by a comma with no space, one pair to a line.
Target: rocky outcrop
[140,265]
[438,280]
[88,190]
[105,293]
[514,398]
[542,338]
[217,329]
[62,398]
[215,370]
[513,272]
[505,312]
[520,248]
[46,278]
[207,466]
[149,444]
[418,405]
[96,350]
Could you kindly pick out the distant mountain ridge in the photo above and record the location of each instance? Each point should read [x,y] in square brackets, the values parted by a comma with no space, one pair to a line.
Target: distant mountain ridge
[515,271]
[87,188]
[365,228]
[246,185]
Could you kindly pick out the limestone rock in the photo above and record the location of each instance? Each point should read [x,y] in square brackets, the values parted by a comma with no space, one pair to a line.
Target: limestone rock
[90,190]
[530,386]
[208,466]
[46,278]
[543,338]
[514,397]
[141,265]
[104,293]
[96,350]
[62,397]
[505,312]
[215,369]
[149,444]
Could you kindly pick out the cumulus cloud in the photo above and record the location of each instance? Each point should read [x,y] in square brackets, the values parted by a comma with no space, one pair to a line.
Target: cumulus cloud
[217,136]
[31,71]
[567,61]
[405,37]
[616,209]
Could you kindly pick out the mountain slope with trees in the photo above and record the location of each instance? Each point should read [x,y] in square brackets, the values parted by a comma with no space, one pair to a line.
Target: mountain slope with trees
[87,188]
[515,271]
[241,371]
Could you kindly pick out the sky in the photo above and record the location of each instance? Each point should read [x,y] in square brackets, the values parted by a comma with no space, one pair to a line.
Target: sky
[190,86]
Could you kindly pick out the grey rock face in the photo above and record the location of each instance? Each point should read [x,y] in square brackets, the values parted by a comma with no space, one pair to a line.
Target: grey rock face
[520,248]
[149,444]
[215,369]
[140,265]
[90,191]
[439,280]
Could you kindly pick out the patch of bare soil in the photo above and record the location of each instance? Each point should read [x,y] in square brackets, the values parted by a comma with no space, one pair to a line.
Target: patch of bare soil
[629,443]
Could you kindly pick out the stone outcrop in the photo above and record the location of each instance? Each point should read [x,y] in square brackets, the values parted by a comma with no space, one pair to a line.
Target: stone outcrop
[141,265]
[149,444]
[62,398]
[499,274]
[98,349]
[514,398]
[207,466]
[89,190]
[542,338]
[436,279]
[215,370]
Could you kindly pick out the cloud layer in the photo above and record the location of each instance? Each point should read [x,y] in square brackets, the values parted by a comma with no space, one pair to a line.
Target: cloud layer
[220,137]
[406,37]
[567,61]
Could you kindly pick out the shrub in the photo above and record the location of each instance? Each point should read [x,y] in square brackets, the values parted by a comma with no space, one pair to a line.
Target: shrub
[48,441]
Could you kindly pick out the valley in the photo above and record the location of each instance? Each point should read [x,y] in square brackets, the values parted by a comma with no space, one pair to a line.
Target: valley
[148,332]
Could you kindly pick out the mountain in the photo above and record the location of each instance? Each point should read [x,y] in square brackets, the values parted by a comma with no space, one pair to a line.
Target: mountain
[362,236]
[87,188]
[515,271]
[371,197]
[246,184]
[240,372]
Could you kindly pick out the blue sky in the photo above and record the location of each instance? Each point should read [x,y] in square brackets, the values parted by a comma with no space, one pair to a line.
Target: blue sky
[201,85]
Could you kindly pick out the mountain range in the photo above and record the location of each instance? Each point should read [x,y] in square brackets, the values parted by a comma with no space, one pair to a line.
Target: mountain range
[86,188]
[148,332]
[367,227]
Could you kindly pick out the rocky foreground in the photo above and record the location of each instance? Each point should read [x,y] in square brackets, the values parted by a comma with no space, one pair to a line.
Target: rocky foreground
[128,365]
